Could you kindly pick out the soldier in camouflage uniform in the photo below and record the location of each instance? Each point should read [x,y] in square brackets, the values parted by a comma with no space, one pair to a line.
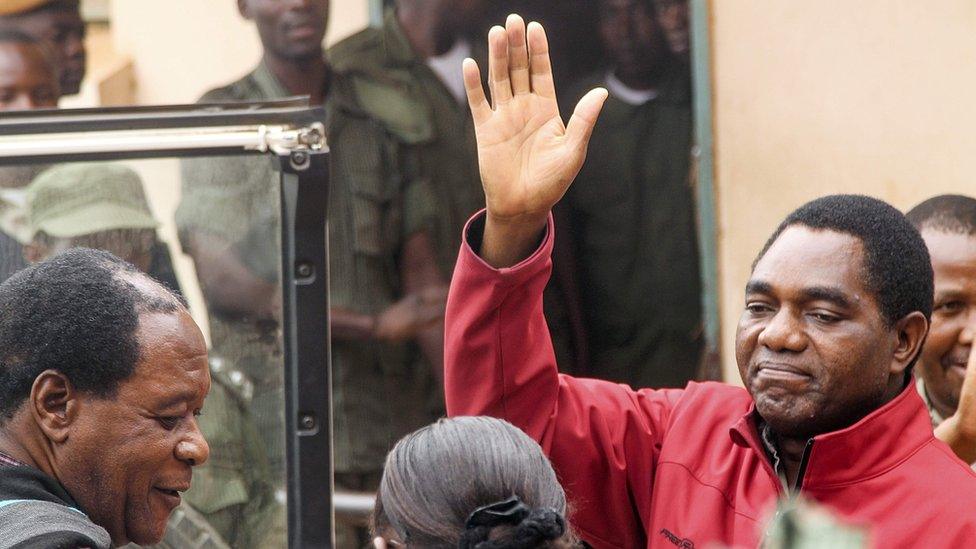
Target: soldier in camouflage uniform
[104,206]
[406,77]
[384,283]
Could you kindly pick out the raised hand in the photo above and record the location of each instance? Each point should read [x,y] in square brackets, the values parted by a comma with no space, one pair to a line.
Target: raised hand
[527,156]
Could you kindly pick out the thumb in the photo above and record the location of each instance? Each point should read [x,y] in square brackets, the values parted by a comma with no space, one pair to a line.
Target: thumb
[584,118]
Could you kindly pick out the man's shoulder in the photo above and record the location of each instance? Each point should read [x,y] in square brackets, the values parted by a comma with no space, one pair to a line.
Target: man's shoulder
[370,83]
[242,89]
[35,523]
[361,50]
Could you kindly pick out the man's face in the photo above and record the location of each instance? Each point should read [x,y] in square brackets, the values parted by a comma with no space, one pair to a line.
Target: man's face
[290,29]
[672,17]
[632,37]
[812,347]
[942,364]
[27,80]
[128,456]
[60,26]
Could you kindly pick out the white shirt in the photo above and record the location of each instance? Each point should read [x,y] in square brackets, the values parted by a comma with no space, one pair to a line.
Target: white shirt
[627,94]
[447,67]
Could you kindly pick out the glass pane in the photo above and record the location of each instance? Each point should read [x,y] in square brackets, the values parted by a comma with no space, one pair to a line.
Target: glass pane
[207,228]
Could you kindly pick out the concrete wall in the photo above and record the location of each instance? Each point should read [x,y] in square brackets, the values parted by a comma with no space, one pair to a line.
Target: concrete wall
[825,96]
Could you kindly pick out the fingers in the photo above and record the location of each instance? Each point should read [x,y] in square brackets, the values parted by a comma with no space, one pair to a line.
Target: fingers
[480,109]
[498,76]
[518,55]
[584,118]
[539,64]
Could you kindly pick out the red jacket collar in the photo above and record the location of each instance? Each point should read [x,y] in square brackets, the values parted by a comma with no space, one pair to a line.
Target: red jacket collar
[881,440]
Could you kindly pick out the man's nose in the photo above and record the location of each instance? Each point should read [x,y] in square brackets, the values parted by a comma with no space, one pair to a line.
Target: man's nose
[969,330]
[193,449]
[74,46]
[783,333]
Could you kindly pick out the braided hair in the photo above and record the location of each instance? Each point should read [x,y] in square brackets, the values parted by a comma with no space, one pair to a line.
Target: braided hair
[471,483]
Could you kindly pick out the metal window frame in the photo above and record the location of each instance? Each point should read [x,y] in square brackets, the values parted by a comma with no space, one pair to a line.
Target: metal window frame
[701,65]
[290,132]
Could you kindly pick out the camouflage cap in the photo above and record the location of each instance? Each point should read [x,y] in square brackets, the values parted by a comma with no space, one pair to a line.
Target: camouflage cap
[78,199]
[16,7]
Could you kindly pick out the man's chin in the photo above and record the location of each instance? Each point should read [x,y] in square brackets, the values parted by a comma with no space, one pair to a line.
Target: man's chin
[783,415]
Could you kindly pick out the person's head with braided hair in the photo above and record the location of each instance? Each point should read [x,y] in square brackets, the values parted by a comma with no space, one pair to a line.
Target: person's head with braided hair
[470,483]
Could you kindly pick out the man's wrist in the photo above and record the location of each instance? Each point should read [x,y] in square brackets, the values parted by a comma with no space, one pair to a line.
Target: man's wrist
[508,241]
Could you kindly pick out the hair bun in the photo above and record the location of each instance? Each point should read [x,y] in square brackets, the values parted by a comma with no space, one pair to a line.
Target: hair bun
[541,525]
[538,527]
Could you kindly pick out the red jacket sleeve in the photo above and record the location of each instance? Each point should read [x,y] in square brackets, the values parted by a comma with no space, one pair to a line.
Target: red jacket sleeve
[603,438]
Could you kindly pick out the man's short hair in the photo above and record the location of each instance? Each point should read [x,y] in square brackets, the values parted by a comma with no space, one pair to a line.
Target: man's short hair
[76,313]
[896,266]
[948,213]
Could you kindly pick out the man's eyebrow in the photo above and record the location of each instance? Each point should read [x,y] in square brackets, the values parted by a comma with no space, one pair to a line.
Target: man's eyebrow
[824,293]
[951,293]
[758,287]
[813,293]
[174,400]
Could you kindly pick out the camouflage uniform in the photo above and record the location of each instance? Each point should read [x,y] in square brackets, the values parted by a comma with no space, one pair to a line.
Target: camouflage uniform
[433,130]
[236,199]
[434,133]
[380,391]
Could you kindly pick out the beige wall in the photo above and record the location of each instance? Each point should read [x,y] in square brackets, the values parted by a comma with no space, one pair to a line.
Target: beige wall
[825,96]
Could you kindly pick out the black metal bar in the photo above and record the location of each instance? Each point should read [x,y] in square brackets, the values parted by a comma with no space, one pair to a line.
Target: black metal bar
[289,111]
[308,383]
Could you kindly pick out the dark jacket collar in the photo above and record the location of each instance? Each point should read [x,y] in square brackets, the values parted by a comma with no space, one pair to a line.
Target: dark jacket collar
[881,440]
[25,482]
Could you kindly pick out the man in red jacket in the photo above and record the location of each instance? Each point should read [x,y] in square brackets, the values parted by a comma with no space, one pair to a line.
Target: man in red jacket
[836,311]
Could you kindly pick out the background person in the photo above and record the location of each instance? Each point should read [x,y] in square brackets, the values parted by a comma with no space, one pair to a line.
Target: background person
[627,226]
[467,480]
[102,376]
[836,311]
[57,24]
[405,76]
[948,225]
[28,80]
[385,289]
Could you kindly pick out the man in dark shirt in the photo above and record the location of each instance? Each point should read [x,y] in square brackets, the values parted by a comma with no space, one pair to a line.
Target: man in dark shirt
[102,375]
[628,223]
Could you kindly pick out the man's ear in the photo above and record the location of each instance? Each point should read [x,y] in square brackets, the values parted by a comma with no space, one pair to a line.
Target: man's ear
[911,332]
[54,404]
[34,253]
[244,9]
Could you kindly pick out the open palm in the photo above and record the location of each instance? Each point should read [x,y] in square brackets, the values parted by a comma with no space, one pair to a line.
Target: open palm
[528,157]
